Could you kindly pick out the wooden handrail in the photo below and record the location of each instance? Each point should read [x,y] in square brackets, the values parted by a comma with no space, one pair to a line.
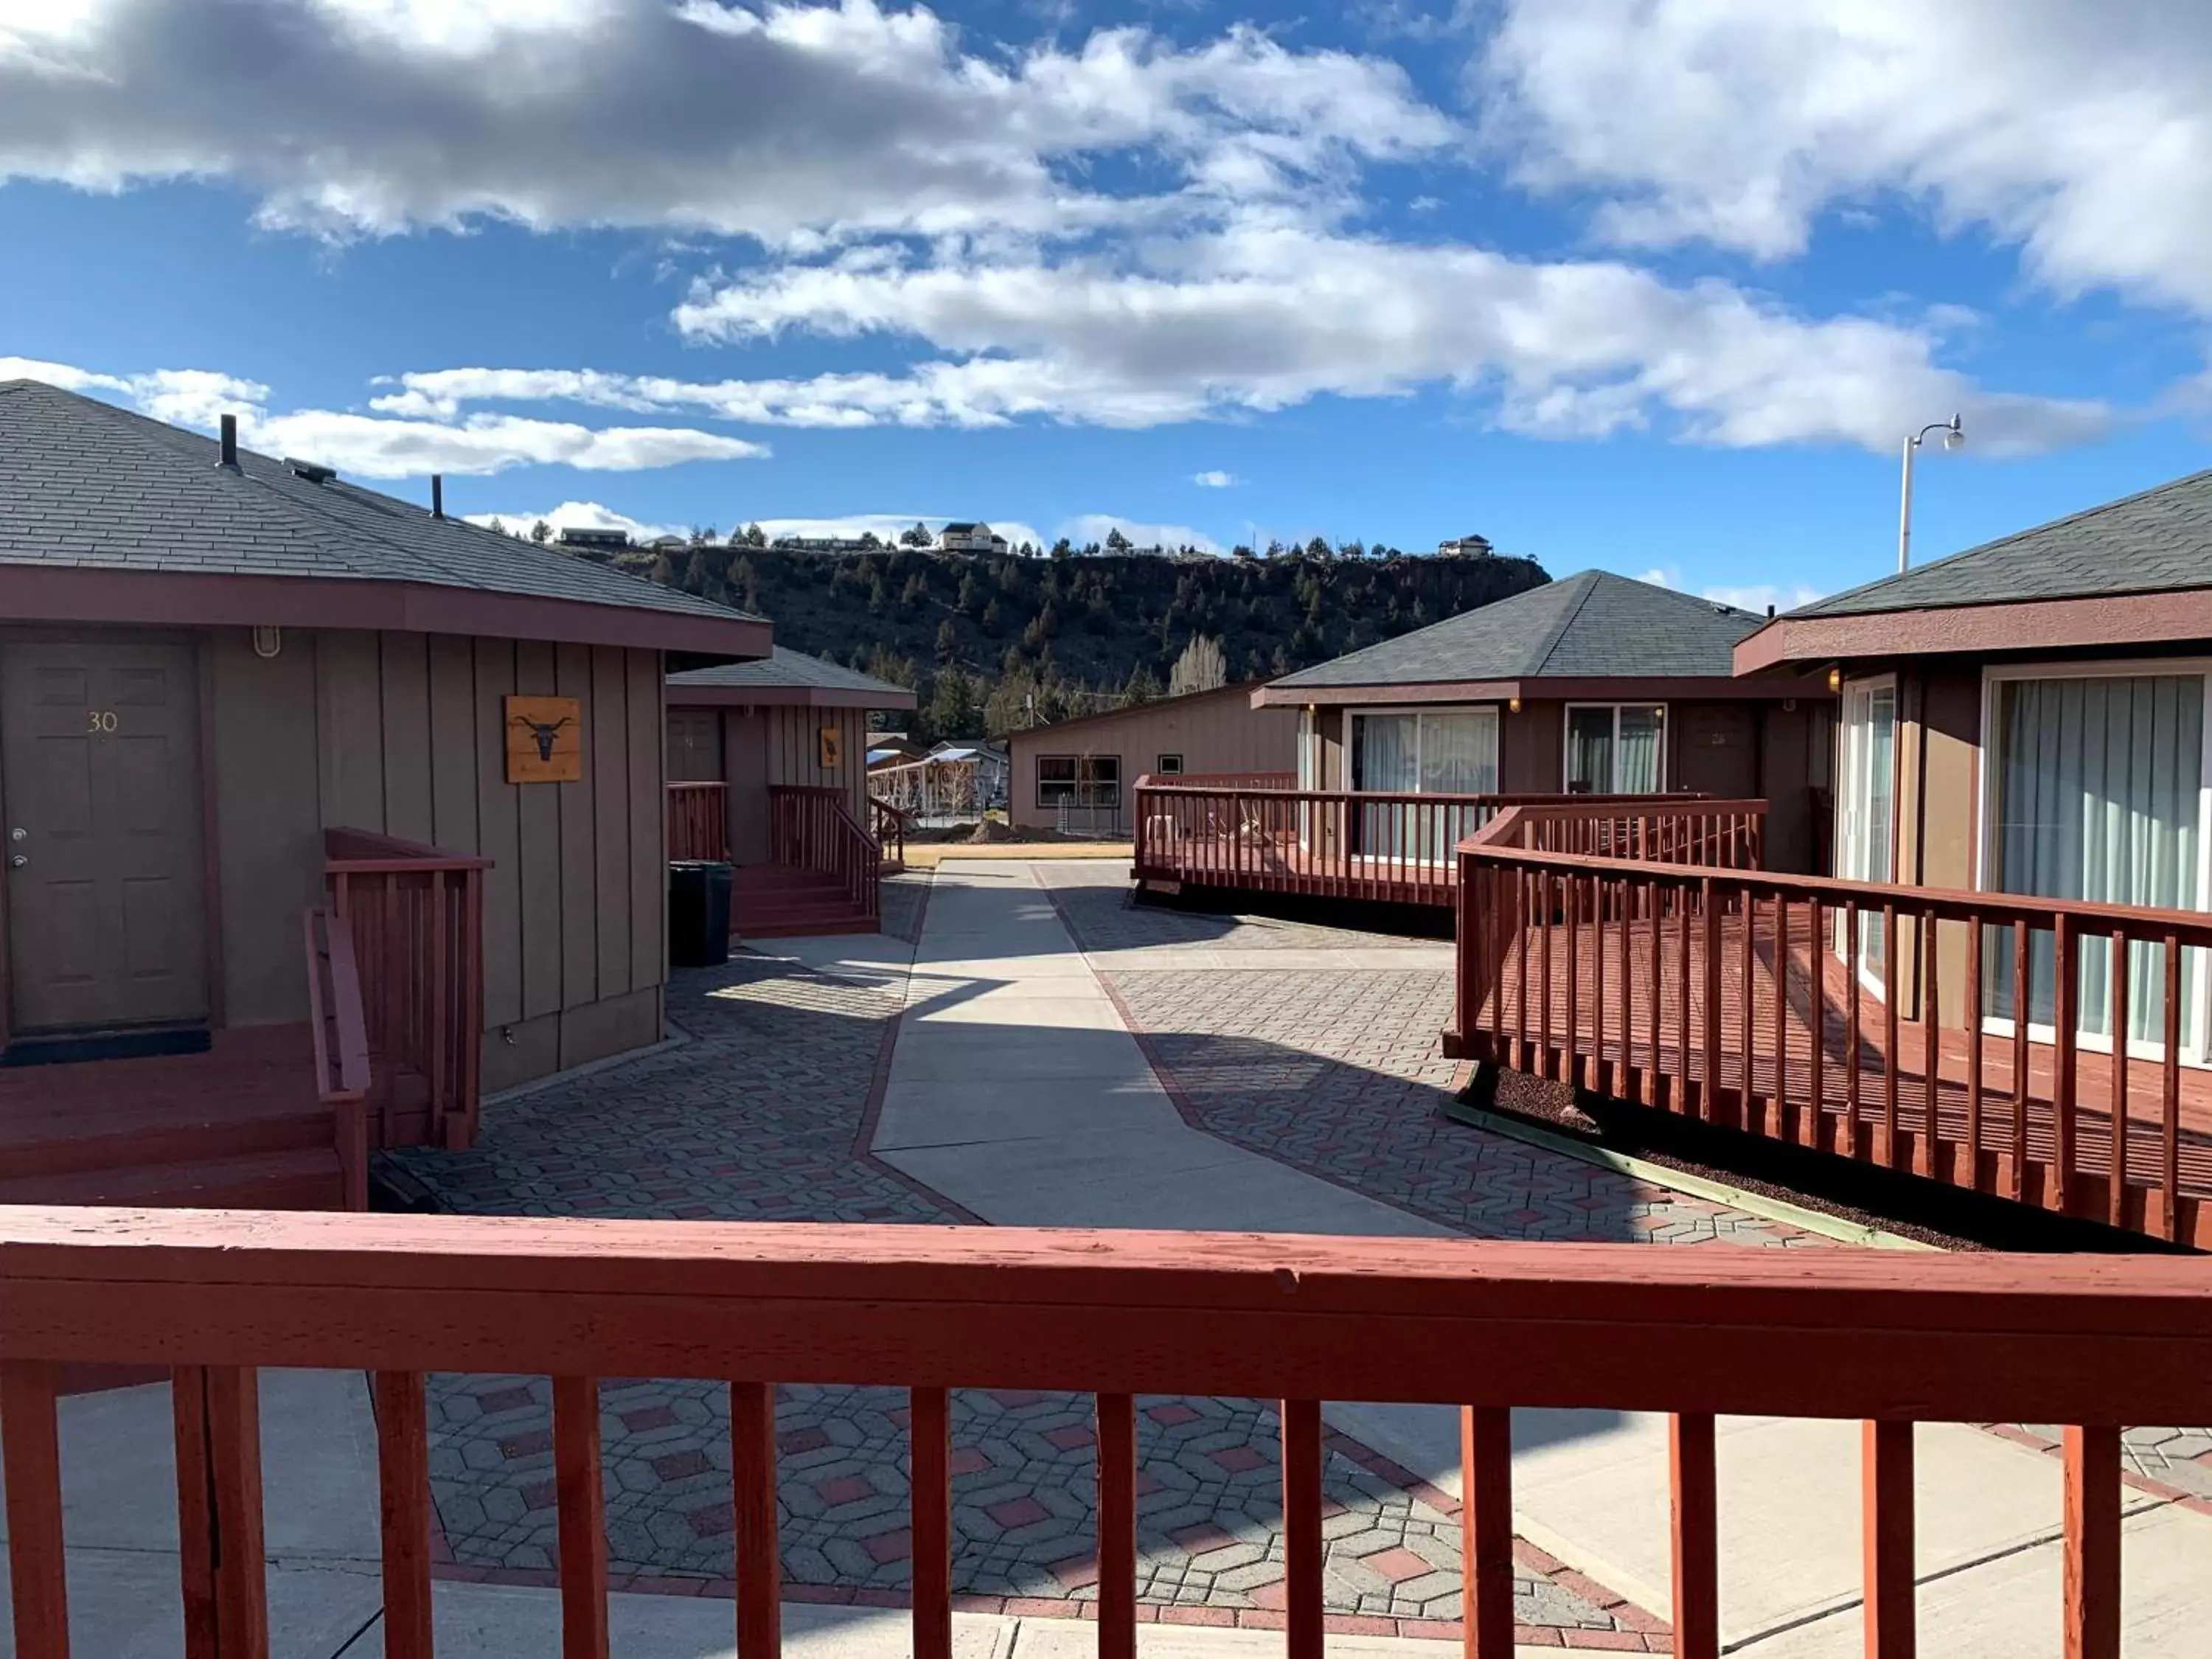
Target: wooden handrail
[811,827]
[416,917]
[1880,1337]
[1813,1010]
[1391,845]
[889,828]
[341,1047]
[699,821]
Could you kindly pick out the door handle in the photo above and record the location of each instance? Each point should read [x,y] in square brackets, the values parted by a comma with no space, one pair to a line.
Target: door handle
[19,860]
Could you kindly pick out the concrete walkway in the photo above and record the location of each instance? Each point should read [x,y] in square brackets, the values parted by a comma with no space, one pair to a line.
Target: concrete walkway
[1016,1090]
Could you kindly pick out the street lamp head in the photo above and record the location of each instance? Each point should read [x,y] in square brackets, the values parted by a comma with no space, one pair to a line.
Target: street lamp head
[1954,436]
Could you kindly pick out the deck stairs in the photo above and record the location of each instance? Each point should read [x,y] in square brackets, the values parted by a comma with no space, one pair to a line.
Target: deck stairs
[237,1126]
[780,901]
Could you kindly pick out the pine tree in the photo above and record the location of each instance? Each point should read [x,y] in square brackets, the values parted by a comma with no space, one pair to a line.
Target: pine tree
[541,532]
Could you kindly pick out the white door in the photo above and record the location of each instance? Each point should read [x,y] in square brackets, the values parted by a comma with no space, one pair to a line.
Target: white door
[1866,841]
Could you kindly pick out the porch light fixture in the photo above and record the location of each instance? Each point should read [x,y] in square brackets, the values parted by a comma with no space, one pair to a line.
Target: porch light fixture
[1954,434]
[1835,679]
[1513,705]
[268,642]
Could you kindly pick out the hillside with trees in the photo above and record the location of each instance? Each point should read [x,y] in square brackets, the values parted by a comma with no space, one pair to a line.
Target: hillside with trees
[996,642]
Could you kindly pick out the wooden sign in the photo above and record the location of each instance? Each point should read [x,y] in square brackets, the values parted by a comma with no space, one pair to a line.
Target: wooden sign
[833,747]
[544,740]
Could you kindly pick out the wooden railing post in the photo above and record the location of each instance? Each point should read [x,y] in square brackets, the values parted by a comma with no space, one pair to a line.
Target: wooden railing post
[2092,1569]
[403,1462]
[1485,1531]
[217,1419]
[1695,1513]
[30,1452]
[1117,1526]
[929,1438]
[1302,1535]
[580,1506]
[758,1567]
[1885,1525]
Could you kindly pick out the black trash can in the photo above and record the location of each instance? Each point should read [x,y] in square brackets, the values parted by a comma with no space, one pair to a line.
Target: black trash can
[698,912]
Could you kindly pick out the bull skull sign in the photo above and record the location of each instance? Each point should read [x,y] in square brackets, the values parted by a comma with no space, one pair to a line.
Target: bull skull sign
[544,740]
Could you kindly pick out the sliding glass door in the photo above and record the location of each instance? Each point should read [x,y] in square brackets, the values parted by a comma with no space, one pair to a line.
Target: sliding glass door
[1424,751]
[1865,845]
[2095,791]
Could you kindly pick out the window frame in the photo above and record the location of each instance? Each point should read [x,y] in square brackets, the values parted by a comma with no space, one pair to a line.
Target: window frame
[1165,770]
[2197,1018]
[1073,782]
[1352,763]
[1613,753]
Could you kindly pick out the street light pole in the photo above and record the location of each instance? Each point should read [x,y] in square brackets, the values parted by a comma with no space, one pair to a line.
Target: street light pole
[1954,435]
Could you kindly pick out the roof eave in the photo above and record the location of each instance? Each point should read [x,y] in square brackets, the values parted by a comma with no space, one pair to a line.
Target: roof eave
[180,598]
[788,696]
[2087,623]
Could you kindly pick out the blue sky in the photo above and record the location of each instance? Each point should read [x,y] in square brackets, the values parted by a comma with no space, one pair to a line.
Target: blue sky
[1647,284]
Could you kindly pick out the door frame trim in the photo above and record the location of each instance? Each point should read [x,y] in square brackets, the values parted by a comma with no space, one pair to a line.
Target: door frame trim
[200,642]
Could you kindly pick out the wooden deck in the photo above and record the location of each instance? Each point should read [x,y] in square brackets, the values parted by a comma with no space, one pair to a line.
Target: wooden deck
[239,1124]
[1606,1006]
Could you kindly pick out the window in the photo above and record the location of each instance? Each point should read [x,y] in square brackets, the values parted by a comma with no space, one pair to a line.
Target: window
[1614,748]
[1079,781]
[1055,779]
[2095,791]
[1170,766]
[1449,751]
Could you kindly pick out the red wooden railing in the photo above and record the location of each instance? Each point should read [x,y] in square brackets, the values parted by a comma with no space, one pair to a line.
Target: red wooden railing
[341,1047]
[810,827]
[416,917]
[1855,1019]
[1321,843]
[2096,1342]
[1226,780]
[889,823]
[699,821]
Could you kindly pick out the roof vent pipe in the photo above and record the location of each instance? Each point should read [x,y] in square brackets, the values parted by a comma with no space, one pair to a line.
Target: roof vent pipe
[437,495]
[230,442]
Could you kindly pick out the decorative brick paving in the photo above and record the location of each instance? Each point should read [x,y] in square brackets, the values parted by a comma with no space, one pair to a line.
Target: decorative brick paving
[759,1118]
[1339,1075]
[1093,900]
[2174,1461]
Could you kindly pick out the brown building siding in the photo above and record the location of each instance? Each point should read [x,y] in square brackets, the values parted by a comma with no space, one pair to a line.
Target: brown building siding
[751,748]
[1216,731]
[404,734]
[1777,750]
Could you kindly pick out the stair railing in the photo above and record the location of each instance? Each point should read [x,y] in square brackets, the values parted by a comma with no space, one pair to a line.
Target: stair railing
[341,1037]
[811,828]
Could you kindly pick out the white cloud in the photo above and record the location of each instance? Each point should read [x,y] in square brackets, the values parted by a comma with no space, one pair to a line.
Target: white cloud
[1089,527]
[1215,479]
[388,446]
[1258,317]
[1758,596]
[778,118]
[580,516]
[2078,132]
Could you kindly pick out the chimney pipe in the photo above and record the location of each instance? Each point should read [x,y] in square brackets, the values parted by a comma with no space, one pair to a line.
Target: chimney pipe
[230,442]
[437,495]
[1770,610]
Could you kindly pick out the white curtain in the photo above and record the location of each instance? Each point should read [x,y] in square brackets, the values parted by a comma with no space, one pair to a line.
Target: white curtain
[1636,753]
[1451,752]
[2096,796]
[1590,751]
[1459,756]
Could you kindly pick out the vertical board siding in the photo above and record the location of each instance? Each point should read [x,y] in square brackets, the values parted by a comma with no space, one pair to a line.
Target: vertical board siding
[580,905]
[609,784]
[454,806]
[539,807]
[350,730]
[404,677]
[268,806]
[499,837]
[648,845]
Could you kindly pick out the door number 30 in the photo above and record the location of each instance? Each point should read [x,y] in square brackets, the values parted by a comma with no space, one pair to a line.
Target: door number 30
[101,720]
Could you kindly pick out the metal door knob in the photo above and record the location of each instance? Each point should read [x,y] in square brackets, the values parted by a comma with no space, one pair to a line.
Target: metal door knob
[19,860]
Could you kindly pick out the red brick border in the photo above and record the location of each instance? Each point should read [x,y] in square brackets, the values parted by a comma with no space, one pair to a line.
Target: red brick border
[2142,1483]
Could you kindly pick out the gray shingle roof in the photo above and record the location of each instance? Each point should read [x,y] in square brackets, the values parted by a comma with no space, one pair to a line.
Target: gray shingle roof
[786,667]
[1591,626]
[85,484]
[2154,542]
